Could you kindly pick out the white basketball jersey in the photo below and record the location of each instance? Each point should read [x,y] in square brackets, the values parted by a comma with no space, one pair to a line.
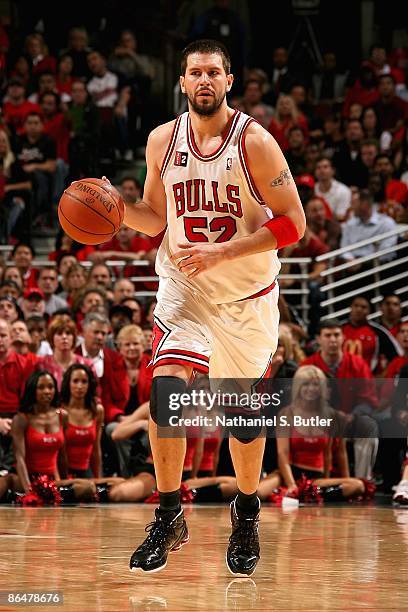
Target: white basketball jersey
[212,198]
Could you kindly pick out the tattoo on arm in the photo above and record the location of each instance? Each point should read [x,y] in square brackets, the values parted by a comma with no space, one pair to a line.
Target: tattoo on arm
[283,178]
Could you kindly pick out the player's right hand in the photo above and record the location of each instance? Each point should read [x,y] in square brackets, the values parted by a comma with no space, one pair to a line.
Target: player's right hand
[104,178]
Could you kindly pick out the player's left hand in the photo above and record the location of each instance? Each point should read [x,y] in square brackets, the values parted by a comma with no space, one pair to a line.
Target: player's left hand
[194,259]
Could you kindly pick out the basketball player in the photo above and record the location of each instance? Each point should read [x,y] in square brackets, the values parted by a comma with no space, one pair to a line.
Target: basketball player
[221,184]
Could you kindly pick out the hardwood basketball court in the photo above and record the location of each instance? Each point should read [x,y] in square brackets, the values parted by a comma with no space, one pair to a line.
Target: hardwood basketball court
[313,558]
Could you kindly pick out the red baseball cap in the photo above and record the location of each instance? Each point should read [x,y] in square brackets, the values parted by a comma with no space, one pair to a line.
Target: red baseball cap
[34,292]
[305,180]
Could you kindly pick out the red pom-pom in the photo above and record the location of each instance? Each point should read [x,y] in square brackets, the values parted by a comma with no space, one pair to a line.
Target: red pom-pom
[29,499]
[277,495]
[308,493]
[45,488]
[369,490]
[153,499]
[186,496]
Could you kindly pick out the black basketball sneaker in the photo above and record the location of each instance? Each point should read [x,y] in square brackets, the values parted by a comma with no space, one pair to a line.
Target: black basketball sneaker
[243,549]
[167,533]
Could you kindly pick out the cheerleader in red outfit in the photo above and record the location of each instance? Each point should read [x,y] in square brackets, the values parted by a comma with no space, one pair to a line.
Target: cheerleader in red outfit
[84,424]
[306,449]
[38,440]
[38,430]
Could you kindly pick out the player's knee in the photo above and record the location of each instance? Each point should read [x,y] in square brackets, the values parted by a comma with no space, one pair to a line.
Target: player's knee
[246,440]
[165,399]
[244,426]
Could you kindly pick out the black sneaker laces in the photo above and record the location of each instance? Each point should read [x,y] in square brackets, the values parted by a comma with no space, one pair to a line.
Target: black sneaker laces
[158,531]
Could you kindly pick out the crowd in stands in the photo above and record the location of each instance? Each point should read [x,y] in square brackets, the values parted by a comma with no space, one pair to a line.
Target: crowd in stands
[64,324]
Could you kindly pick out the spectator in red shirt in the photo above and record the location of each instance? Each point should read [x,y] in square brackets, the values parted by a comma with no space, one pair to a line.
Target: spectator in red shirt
[16,107]
[21,71]
[56,125]
[64,245]
[391,313]
[131,191]
[306,185]
[109,366]
[359,337]
[4,47]
[130,341]
[352,391]
[47,83]
[14,371]
[395,191]
[127,244]
[37,52]
[328,231]
[364,91]
[22,256]
[61,335]
[20,338]
[391,110]
[286,116]
[393,368]
[378,60]
[64,75]
[32,303]
[309,246]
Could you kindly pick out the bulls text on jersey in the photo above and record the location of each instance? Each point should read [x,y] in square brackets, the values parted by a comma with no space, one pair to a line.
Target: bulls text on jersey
[199,194]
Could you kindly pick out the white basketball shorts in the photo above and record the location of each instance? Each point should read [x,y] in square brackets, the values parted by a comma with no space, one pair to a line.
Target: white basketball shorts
[235,340]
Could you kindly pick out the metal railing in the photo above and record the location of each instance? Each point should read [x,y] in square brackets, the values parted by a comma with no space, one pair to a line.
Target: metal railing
[298,294]
[341,281]
[302,289]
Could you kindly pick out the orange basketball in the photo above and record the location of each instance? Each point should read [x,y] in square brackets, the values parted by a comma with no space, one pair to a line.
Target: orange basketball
[91,211]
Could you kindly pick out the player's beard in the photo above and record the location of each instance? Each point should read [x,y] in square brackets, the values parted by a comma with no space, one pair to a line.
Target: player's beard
[209,108]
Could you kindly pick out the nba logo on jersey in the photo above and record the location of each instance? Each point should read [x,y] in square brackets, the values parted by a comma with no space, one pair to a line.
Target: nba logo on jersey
[229,163]
[180,159]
